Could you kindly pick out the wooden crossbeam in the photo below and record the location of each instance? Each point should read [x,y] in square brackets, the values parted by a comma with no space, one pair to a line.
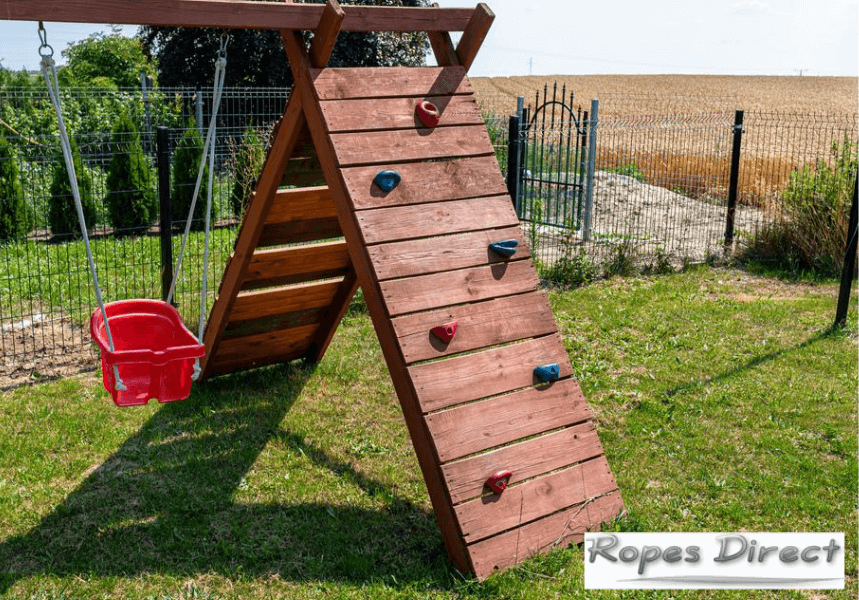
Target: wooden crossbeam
[234,14]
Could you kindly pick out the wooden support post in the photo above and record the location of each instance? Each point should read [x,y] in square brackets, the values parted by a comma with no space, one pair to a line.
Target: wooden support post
[422,442]
[326,34]
[474,34]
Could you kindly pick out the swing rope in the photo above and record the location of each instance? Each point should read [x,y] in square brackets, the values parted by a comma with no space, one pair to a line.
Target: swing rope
[49,71]
[208,149]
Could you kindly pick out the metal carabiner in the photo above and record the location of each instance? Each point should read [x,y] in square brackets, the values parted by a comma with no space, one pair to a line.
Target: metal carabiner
[43,37]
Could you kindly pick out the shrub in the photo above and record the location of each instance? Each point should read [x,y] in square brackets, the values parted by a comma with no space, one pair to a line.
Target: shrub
[15,218]
[186,163]
[131,193]
[62,216]
[813,231]
[248,163]
[572,269]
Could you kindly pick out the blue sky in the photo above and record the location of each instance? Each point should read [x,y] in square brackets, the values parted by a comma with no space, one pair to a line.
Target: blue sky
[546,37]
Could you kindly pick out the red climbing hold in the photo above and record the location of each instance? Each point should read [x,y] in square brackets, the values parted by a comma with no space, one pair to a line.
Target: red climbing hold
[428,113]
[445,332]
[498,482]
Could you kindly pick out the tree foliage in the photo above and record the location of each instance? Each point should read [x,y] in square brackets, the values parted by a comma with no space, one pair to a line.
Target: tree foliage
[131,193]
[186,164]
[15,217]
[248,162]
[186,56]
[62,215]
[106,61]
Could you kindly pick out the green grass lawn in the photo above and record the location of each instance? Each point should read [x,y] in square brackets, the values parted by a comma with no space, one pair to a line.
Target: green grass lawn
[723,402]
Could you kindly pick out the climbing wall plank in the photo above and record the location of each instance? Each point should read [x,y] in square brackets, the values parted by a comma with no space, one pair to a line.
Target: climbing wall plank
[425,182]
[478,426]
[466,478]
[397,113]
[443,383]
[297,264]
[479,325]
[401,145]
[455,287]
[384,82]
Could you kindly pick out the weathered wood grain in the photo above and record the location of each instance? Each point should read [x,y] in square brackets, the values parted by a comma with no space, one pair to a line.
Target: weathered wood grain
[297,264]
[478,426]
[461,379]
[388,82]
[425,182]
[457,287]
[403,145]
[520,504]
[380,114]
[555,531]
[433,255]
[440,218]
[279,301]
[466,478]
[480,325]
[262,349]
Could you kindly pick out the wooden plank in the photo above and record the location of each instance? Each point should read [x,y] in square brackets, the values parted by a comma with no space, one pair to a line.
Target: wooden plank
[479,325]
[233,14]
[326,33]
[520,504]
[402,145]
[474,34]
[263,349]
[268,303]
[451,381]
[291,320]
[432,255]
[466,479]
[397,113]
[303,172]
[299,264]
[301,204]
[421,440]
[425,182]
[285,138]
[389,82]
[439,218]
[428,292]
[309,230]
[331,317]
[443,49]
[555,531]
[482,425]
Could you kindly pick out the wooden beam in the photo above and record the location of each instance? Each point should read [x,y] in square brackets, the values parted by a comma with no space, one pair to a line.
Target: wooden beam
[443,49]
[474,34]
[326,34]
[233,14]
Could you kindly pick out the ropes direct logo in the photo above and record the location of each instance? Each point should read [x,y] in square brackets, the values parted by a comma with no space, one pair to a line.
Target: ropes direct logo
[714,561]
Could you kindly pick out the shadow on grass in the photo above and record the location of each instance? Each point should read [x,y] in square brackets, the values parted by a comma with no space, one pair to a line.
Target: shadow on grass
[163,504]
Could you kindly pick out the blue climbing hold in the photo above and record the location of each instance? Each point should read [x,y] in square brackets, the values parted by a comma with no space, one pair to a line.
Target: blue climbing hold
[505,247]
[547,373]
[387,180]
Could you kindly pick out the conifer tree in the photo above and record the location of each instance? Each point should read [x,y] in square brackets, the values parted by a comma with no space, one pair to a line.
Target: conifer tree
[15,219]
[62,216]
[186,164]
[130,191]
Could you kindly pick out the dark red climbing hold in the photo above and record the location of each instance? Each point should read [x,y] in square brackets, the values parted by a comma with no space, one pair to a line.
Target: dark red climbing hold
[445,332]
[498,482]
[547,373]
[504,247]
[428,113]
[387,180]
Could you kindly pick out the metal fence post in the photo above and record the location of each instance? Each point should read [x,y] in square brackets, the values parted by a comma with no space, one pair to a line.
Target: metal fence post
[733,184]
[145,84]
[199,101]
[513,174]
[592,157]
[849,260]
[165,217]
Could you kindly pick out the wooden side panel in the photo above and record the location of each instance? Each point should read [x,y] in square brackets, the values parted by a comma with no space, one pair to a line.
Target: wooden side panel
[388,82]
[441,218]
[479,325]
[555,531]
[301,204]
[425,182]
[490,423]
[466,478]
[279,301]
[269,268]
[533,499]
[262,349]
[461,379]
[456,287]
[397,113]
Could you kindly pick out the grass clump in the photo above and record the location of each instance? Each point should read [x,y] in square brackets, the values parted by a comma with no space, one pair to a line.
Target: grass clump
[630,169]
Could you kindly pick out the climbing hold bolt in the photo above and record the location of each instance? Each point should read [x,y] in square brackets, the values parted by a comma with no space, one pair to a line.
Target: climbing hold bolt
[428,113]
[504,247]
[498,482]
[387,180]
[547,373]
[445,332]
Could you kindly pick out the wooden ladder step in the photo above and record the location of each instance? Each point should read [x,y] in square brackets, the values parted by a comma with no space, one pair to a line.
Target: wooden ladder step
[280,301]
[249,352]
[297,264]
[300,215]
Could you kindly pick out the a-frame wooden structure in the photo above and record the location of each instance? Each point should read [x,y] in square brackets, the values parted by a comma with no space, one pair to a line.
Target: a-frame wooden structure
[473,405]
